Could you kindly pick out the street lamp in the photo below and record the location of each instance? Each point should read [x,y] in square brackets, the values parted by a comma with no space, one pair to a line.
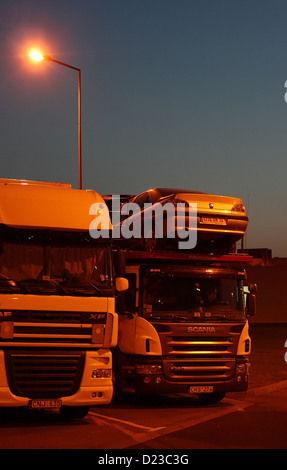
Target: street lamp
[36,55]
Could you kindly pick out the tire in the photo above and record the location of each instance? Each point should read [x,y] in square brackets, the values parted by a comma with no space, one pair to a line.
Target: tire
[117,383]
[117,391]
[74,412]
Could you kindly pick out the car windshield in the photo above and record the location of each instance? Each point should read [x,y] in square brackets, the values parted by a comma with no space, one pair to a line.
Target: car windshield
[52,262]
[193,298]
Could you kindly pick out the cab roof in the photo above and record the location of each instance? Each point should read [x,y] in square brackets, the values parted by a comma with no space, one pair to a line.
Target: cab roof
[42,205]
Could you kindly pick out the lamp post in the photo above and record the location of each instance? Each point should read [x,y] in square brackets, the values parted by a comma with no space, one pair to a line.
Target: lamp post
[35,55]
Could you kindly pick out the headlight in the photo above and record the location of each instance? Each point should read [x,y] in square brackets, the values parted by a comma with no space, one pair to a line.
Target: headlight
[148,369]
[242,368]
[101,373]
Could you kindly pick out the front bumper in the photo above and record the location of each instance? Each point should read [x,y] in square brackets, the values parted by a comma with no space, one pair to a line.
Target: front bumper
[159,384]
[91,391]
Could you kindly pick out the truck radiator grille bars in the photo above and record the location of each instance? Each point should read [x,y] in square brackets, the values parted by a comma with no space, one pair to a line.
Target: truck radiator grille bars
[53,328]
[199,356]
[42,374]
[201,370]
[199,345]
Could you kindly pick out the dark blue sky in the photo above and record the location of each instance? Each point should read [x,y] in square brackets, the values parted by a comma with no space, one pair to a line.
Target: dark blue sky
[181,93]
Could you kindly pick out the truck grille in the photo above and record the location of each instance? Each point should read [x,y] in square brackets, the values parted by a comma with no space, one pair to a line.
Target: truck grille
[55,328]
[44,374]
[200,370]
[187,346]
[52,333]
[204,355]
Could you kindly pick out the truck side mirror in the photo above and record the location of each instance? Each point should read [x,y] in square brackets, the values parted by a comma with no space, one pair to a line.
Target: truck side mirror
[252,288]
[251,300]
[122,284]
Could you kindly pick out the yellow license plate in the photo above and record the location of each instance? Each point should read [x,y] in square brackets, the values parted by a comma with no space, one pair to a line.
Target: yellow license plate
[212,221]
[201,389]
[45,404]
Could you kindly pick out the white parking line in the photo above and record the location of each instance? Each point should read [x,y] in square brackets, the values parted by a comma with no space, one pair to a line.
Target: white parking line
[273,387]
[235,405]
[139,433]
[108,418]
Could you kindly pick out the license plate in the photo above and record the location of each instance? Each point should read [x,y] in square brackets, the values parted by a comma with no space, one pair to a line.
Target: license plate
[201,389]
[212,221]
[45,403]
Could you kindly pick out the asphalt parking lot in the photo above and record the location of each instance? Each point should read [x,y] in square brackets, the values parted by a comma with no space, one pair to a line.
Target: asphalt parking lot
[268,350]
[239,421]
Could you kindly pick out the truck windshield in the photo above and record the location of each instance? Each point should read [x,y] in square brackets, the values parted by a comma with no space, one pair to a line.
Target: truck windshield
[50,262]
[193,298]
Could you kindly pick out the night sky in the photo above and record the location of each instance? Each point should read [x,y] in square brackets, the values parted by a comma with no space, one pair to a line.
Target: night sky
[179,93]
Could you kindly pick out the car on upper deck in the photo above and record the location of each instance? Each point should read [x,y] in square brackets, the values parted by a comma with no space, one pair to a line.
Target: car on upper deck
[221,221]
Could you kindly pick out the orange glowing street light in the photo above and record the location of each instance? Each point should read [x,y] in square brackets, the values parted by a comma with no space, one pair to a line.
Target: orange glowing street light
[36,55]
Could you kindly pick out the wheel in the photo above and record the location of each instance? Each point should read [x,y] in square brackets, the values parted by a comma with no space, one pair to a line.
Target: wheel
[74,412]
[209,398]
[117,391]
[117,382]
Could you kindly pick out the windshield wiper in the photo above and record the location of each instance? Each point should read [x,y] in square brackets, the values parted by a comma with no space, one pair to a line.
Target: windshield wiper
[97,289]
[172,317]
[81,289]
[10,285]
[45,286]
